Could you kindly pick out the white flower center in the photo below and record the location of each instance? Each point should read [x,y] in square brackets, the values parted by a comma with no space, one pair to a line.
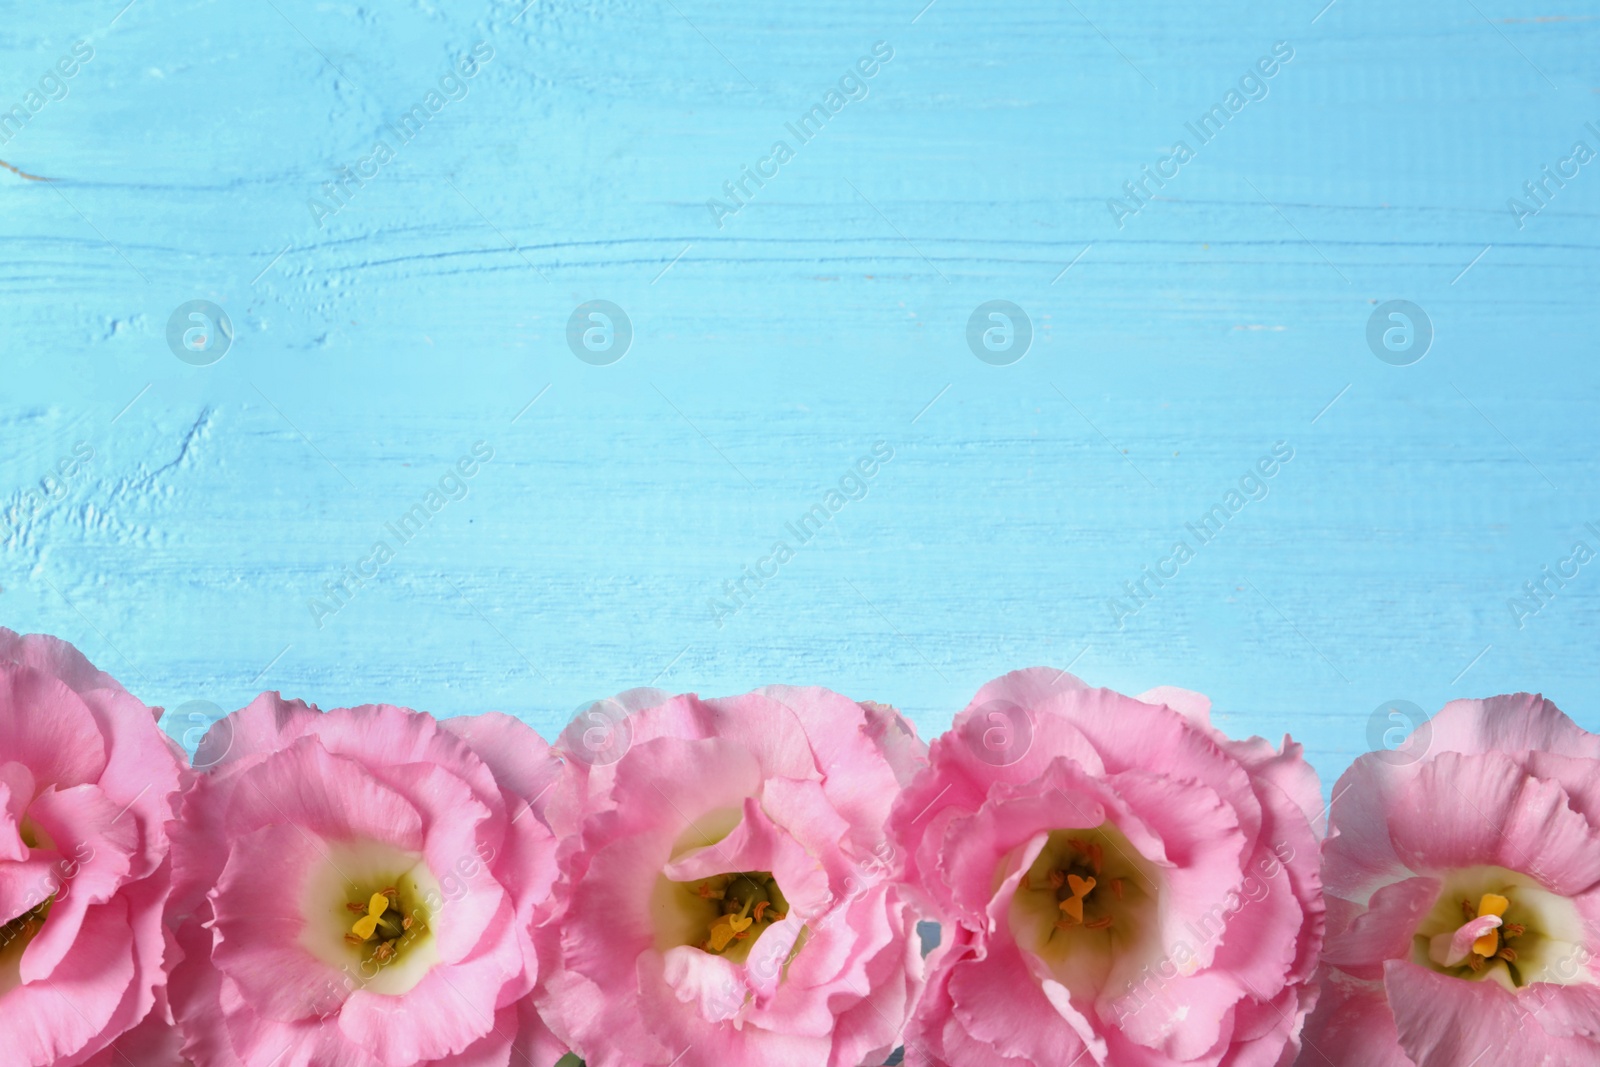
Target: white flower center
[386,946]
[1087,908]
[1500,925]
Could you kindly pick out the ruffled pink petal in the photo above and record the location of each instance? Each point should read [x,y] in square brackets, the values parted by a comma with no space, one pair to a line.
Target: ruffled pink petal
[200,833]
[1452,949]
[1443,1021]
[1351,1027]
[834,970]
[1383,931]
[757,844]
[868,1030]
[16,793]
[521,760]
[259,922]
[803,810]
[711,986]
[331,796]
[155,1042]
[607,925]
[860,784]
[896,739]
[1196,707]
[998,1005]
[27,884]
[54,1018]
[144,998]
[1463,811]
[1511,724]
[254,1040]
[452,1008]
[1261,942]
[84,822]
[1359,856]
[535,1044]
[452,819]
[1283,769]
[493,1049]
[62,748]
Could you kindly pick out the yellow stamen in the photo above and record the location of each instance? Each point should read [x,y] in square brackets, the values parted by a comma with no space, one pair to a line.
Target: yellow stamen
[1496,905]
[725,929]
[367,925]
[1073,907]
[1493,904]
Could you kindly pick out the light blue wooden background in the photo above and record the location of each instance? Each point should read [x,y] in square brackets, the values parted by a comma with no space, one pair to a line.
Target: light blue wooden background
[827,315]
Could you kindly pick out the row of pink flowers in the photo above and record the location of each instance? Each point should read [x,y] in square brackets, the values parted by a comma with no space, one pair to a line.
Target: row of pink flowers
[789,878]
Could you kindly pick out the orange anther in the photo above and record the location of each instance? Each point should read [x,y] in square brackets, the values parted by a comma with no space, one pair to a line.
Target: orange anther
[1073,906]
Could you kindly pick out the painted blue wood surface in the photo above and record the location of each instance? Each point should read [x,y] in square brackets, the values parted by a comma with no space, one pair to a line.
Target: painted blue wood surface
[375,344]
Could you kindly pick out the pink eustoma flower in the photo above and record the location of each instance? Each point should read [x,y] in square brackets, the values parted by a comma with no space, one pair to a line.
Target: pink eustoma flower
[360,888]
[86,781]
[1463,881]
[1118,883]
[732,893]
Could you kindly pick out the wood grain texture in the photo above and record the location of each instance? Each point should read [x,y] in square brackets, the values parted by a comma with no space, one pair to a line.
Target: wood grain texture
[771,352]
